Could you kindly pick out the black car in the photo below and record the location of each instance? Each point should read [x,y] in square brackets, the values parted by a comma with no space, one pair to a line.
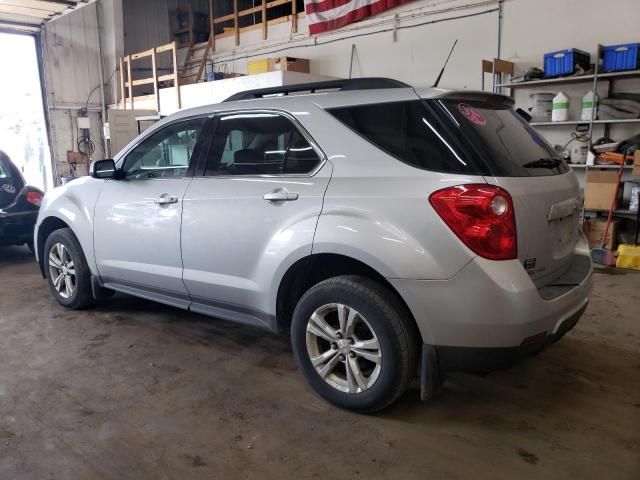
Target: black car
[19,205]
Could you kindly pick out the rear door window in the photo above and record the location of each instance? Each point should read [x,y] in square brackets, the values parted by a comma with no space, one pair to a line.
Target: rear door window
[259,143]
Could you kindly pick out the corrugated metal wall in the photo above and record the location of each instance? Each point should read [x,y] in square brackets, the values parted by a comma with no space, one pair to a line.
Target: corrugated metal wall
[146,22]
[72,75]
[70,49]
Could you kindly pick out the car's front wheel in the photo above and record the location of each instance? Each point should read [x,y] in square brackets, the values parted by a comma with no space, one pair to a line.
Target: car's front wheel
[354,343]
[67,271]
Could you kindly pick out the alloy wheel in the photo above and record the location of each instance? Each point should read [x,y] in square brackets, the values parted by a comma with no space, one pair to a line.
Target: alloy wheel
[343,348]
[62,270]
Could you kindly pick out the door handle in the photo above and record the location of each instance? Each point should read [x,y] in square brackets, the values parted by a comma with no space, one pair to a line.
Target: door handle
[281,195]
[166,199]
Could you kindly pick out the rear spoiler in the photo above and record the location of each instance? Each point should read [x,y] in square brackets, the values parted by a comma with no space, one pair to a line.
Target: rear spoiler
[491,99]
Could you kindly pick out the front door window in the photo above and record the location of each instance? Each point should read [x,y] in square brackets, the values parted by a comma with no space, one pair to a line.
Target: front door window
[166,153]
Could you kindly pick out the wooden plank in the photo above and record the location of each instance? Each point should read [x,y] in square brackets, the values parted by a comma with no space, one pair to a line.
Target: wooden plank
[146,53]
[236,27]
[155,79]
[224,18]
[203,63]
[294,16]
[166,78]
[277,3]
[263,9]
[275,21]
[250,11]
[165,48]
[141,81]
[212,33]
[123,99]
[175,73]
[231,16]
[130,79]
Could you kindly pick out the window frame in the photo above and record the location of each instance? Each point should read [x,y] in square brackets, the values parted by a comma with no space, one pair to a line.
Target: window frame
[201,145]
[202,164]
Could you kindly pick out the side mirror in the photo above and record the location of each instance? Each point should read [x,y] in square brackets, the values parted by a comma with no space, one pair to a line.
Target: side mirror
[102,169]
[524,115]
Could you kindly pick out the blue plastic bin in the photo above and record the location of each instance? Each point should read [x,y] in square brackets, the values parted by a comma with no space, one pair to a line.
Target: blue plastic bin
[621,57]
[565,62]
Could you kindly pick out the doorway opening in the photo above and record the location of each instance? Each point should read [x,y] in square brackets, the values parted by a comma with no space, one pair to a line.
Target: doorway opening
[23,130]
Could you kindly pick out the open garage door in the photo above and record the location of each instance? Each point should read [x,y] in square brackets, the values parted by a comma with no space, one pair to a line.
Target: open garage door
[23,131]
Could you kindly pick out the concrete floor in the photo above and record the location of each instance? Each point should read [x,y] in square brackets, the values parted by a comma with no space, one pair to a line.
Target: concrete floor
[137,390]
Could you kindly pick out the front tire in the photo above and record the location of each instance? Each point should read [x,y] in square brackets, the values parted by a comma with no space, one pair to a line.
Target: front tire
[355,343]
[67,271]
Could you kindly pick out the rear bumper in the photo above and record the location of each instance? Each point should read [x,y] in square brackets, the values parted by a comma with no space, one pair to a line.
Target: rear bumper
[495,305]
[17,228]
[483,360]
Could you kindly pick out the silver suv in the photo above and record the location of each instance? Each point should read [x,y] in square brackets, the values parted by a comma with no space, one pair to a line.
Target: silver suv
[391,231]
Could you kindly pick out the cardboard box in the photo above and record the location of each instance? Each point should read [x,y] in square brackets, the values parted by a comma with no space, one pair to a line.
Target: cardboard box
[636,164]
[600,188]
[258,66]
[290,64]
[594,230]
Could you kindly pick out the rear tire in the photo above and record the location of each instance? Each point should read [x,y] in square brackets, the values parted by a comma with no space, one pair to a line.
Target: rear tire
[67,271]
[355,343]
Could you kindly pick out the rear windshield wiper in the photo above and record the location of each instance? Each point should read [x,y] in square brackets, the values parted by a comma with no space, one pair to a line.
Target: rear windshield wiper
[543,163]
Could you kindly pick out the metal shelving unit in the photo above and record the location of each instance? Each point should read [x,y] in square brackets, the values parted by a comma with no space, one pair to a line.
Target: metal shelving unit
[580,165]
[593,78]
[574,79]
[585,122]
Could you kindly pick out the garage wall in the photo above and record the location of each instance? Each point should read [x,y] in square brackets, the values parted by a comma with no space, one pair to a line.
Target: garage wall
[70,47]
[146,24]
[425,32]
[527,29]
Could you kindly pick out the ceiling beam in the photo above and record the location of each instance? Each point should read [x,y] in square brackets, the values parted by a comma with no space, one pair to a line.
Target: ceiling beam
[19,24]
[27,8]
[68,3]
[42,5]
[22,13]
[17,17]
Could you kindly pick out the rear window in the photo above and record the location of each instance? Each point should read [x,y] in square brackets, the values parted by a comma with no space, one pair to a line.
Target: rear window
[504,140]
[466,136]
[5,168]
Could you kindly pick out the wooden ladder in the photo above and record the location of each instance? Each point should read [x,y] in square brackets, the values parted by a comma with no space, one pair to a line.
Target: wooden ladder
[194,63]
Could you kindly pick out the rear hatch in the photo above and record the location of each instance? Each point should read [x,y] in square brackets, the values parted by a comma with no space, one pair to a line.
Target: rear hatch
[11,181]
[545,192]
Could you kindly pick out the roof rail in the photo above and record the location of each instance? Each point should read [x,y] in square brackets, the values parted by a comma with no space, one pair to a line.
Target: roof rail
[342,85]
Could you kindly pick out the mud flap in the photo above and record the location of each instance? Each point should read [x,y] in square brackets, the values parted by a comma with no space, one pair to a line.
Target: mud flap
[430,379]
[99,292]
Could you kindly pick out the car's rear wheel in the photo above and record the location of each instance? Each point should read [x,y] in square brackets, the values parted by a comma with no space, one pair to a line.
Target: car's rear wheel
[354,343]
[67,270]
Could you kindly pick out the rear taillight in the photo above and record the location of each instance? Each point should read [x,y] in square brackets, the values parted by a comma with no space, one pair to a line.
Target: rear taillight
[481,216]
[34,198]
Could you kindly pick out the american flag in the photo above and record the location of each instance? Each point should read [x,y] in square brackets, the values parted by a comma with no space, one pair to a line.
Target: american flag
[325,15]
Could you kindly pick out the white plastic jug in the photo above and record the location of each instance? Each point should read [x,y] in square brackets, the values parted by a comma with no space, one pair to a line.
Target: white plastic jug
[560,112]
[589,102]
[540,106]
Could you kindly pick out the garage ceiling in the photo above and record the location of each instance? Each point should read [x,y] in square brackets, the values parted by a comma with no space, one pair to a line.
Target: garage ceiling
[27,16]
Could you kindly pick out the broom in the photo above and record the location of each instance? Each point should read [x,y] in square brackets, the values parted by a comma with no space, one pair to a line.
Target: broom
[601,255]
